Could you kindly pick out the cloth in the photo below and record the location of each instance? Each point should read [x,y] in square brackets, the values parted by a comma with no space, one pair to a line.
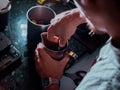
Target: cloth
[105,73]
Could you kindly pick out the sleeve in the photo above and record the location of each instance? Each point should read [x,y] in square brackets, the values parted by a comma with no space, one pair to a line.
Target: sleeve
[94,82]
[98,78]
[105,74]
[116,81]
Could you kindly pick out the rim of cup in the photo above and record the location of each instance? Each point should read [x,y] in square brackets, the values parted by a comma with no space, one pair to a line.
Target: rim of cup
[27,15]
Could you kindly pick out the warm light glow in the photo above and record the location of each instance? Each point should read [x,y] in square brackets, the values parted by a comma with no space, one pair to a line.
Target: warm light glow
[23,29]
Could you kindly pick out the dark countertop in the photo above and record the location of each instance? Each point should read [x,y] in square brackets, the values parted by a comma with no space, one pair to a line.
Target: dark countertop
[24,77]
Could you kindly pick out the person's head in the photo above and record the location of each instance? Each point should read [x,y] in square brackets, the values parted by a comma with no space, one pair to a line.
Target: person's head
[104,14]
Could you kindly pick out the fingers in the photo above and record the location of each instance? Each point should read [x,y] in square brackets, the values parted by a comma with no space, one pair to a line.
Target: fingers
[50,33]
[42,53]
[62,41]
[40,45]
[37,55]
[51,36]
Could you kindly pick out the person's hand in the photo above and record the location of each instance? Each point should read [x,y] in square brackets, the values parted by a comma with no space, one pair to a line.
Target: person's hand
[46,66]
[64,25]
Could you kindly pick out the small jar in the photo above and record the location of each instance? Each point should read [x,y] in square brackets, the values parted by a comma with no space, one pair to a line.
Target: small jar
[53,48]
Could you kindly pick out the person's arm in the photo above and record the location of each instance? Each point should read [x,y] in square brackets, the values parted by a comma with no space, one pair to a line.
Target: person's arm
[64,25]
[48,67]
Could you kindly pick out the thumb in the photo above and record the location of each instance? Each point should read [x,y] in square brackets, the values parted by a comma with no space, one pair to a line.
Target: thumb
[50,33]
[62,42]
[42,53]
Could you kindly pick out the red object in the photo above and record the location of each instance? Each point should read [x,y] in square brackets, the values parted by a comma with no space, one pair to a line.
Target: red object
[56,39]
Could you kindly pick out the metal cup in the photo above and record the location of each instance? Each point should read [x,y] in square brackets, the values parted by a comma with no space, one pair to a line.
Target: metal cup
[53,48]
[39,18]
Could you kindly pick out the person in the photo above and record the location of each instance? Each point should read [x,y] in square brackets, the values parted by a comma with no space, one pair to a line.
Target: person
[104,16]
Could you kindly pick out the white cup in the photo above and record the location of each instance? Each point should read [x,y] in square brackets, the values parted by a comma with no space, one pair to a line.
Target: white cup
[5,6]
